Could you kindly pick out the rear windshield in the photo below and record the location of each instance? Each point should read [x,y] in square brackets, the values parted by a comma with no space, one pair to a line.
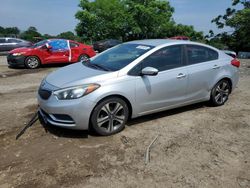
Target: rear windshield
[120,56]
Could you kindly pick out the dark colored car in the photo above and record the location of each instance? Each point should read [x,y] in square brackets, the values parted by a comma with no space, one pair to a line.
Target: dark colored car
[105,44]
[7,44]
[50,51]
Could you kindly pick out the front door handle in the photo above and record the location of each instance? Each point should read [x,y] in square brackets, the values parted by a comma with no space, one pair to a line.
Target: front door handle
[216,67]
[181,75]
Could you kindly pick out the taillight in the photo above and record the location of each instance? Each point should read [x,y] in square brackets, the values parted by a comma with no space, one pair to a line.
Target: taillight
[235,62]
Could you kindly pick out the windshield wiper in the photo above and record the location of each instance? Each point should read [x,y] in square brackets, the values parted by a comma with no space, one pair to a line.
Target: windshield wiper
[100,67]
[87,63]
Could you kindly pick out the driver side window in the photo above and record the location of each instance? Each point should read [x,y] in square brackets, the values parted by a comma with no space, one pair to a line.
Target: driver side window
[164,59]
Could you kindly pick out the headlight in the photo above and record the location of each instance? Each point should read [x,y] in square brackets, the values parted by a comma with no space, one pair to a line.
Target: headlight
[18,54]
[75,92]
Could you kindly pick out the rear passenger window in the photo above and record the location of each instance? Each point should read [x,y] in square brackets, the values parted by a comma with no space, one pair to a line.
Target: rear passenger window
[73,45]
[165,59]
[2,41]
[14,41]
[199,54]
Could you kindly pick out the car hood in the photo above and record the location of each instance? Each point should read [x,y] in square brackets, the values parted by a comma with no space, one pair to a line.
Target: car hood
[18,50]
[78,74]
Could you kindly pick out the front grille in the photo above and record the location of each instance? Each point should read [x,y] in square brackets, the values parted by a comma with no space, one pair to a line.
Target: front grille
[44,94]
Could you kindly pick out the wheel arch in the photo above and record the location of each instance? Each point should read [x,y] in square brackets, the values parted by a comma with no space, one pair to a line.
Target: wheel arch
[130,109]
[119,96]
[228,79]
[40,60]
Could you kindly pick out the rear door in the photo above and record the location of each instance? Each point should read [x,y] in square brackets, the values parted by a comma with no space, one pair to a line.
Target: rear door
[3,42]
[7,44]
[166,89]
[13,43]
[203,66]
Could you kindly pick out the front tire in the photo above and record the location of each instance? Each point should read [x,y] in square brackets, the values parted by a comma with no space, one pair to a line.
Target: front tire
[32,62]
[110,116]
[220,93]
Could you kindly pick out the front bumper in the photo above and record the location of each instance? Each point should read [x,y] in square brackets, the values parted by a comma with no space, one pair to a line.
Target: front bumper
[16,61]
[71,114]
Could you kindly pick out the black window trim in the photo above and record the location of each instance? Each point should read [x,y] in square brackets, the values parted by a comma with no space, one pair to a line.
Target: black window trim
[183,60]
[186,54]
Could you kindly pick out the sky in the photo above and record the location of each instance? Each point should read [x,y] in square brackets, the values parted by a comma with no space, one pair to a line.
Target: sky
[56,16]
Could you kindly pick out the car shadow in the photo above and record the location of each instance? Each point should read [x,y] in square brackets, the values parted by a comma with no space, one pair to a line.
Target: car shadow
[62,132]
[67,133]
[54,65]
[166,113]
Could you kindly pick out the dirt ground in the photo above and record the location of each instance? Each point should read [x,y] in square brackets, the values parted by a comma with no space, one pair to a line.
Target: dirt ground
[198,146]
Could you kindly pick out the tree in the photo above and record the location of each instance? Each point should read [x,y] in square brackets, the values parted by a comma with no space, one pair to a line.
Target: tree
[124,19]
[9,31]
[101,19]
[239,21]
[47,36]
[67,35]
[185,30]
[150,18]
[2,31]
[31,34]
[129,20]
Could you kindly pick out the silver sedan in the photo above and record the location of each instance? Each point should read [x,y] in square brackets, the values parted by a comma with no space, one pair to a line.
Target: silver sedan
[135,79]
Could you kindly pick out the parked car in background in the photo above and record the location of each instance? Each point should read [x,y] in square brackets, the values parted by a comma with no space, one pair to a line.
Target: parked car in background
[134,79]
[8,44]
[244,55]
[50,51]
[179,38]
[231,53]
[102,45]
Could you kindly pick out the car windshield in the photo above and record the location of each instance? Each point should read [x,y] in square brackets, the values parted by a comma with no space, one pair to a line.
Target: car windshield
[41,43]
[118,57]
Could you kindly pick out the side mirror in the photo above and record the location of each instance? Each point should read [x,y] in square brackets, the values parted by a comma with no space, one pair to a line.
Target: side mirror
[149,71]
[48,46]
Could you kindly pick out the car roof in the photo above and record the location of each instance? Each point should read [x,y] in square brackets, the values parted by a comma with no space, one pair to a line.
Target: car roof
[61,39]
[10,38]
[155,42]
[159,42]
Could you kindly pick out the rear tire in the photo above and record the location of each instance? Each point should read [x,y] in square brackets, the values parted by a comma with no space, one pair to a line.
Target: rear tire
[109,116]
[220,93]
[32,62]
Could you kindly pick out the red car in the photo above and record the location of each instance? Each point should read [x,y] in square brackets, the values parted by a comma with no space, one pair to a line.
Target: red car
[50,51]
[180,38]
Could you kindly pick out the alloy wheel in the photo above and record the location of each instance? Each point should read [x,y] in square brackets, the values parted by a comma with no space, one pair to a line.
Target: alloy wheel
[32,62]
[222,92]
[111,116]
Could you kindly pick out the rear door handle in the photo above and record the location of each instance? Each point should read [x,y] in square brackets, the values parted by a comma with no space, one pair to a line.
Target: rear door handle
[216,67]
[181,75]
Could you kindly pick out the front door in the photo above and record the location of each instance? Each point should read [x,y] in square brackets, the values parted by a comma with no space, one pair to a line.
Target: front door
[59,52]
[166,89]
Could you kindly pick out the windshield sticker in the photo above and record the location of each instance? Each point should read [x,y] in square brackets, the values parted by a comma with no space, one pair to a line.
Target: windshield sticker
[143,47]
